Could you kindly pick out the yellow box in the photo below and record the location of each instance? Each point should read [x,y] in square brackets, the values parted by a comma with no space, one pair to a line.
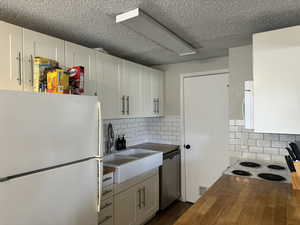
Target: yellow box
[41,66]
[58,82]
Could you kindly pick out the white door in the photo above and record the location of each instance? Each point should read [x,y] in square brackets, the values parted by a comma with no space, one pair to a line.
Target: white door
[10,57]
[39,45]
[77,55]
[62,196]
[206,131]
[109,86]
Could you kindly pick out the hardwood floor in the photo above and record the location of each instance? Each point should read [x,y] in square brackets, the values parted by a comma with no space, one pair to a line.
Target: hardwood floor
[170,214]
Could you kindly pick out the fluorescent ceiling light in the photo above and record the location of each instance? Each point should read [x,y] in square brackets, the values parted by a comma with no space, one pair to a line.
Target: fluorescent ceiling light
[145,25]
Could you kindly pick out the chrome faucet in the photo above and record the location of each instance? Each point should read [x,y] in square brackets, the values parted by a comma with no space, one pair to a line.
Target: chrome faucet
[110,138]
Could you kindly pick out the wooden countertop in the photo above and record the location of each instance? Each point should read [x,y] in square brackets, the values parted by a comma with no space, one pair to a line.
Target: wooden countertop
[107,169]
[165,148]
[236,200]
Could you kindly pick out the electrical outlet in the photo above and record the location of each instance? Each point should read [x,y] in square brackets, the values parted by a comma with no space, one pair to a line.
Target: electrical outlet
[202,190]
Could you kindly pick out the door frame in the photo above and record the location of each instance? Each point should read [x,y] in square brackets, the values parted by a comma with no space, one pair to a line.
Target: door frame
[182,124]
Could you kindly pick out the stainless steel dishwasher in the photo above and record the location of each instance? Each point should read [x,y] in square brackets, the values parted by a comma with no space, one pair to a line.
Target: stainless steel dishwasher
[169,179]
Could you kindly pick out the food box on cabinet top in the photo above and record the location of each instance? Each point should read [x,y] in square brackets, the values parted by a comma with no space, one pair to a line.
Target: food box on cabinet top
[41,66]
[76,79]
[58,82]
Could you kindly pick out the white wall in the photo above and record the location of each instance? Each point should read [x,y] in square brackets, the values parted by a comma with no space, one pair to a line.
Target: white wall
[172,79]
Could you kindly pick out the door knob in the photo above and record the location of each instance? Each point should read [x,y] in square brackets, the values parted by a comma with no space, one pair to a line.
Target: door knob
[187,146]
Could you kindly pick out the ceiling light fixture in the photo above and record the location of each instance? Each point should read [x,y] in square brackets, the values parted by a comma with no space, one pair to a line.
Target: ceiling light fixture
[145,25]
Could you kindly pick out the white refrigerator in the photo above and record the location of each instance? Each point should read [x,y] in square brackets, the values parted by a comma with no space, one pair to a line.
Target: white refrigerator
[51,159]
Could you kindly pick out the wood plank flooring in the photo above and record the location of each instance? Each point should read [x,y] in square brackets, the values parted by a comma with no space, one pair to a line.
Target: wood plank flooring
[170,214]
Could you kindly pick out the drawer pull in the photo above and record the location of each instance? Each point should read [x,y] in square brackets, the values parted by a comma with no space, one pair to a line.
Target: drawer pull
[106,205]
[106,179]
[105,219]
[107,192]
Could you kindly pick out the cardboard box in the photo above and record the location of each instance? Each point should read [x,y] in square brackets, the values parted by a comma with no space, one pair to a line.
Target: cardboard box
[58,82]
[41,66]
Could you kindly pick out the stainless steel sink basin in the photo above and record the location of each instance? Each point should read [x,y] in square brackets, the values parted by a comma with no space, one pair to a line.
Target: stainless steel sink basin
[131,163]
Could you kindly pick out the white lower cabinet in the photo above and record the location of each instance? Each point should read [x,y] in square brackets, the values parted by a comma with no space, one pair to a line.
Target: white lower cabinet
[125,208]
[106,215]
[137,204]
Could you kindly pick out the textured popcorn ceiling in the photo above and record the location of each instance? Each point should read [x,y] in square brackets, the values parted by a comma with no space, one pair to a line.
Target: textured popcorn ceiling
[210,25]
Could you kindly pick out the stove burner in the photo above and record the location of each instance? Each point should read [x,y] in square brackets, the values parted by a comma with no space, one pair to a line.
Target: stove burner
[241,173]
[250,164]
[270,176]
[276,167]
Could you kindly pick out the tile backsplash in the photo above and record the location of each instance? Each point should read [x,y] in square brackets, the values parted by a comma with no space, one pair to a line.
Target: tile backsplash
[138,130]
[245,143]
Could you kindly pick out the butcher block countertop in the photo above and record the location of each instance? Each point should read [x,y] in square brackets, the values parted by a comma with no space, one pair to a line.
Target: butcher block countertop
[107,170]
[164,148]
[234,200]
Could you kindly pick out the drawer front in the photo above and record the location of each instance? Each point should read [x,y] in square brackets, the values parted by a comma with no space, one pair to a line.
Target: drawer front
[108,179]
[106,212]
[106,221]
[107,192]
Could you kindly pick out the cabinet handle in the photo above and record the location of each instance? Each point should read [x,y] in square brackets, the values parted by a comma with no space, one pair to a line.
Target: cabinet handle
[127,105]
[106,179]
[106,192]
[32,72]
[157,105]
[105,219]
[144,197]
[140,197]
[154,105]
[106,205]
[20,72]
[123,105]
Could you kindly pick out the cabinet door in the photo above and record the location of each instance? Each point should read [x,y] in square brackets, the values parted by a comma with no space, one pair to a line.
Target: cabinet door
[151,197]
[130,88]
[155,90]
[146,100]
[39,45]
[276,81]
[161,93]
[77,55]
[108,86]
[125,207]
[10,57]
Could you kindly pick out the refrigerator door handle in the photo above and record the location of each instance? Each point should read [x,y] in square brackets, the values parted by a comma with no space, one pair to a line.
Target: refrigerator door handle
[15,176]
[99,131]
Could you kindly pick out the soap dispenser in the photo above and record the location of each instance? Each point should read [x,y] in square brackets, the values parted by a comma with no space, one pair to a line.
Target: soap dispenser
[119,143]
[123,141]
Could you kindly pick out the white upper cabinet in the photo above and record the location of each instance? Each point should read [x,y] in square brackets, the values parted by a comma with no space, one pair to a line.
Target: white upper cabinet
[11,57]
[157,85]
[39,45]
[108,68]
[146,100]
[129,89]
[125,89]
[77,55]
[276,69]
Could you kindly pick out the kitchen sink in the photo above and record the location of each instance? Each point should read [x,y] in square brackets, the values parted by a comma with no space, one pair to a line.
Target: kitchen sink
[138,153]
[133,162]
